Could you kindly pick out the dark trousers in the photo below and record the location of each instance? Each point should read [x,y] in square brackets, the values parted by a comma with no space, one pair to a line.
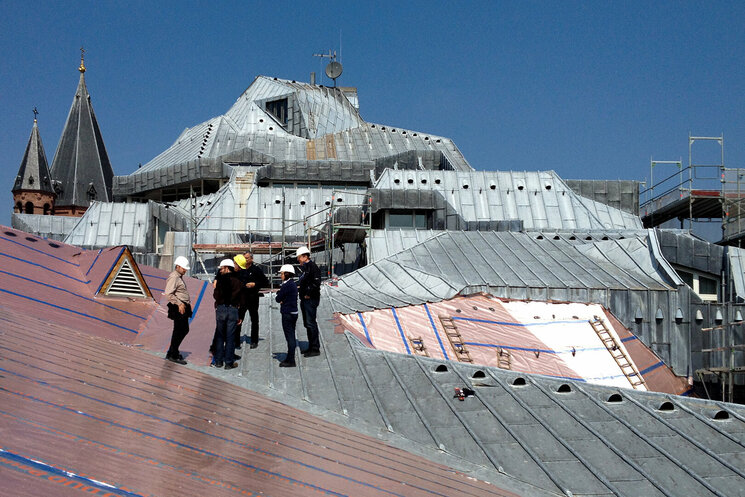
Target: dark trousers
[288,326]
[180,330]
[226,317]
[252,303]
[309,308]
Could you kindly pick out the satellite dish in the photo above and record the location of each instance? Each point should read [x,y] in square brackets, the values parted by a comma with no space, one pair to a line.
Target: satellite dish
[333,70]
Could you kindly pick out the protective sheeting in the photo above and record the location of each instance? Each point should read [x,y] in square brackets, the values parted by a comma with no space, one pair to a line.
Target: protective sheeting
[54,227]
[320,123]
[548,338]
[736,257]
[106,224]
[539,199]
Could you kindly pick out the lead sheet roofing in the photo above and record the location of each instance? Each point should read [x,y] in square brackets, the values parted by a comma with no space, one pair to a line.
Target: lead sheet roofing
[450,262]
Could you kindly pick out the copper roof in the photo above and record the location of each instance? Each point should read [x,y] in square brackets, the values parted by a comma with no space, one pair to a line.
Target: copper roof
[84,415]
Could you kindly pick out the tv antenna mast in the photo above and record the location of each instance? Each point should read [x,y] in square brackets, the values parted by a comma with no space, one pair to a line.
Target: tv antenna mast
[334,68]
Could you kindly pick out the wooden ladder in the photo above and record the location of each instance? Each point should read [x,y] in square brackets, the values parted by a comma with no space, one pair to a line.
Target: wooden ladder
[623,361]
[456,341]
[504,358]
[417,345]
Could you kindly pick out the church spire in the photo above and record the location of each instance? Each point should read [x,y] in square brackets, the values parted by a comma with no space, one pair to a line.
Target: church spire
[32,190]
[81,166]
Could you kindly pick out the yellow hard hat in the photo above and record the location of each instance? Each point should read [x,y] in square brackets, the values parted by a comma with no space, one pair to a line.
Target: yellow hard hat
[240,260]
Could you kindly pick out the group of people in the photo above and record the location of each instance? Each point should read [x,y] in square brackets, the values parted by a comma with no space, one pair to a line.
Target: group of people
[236,290]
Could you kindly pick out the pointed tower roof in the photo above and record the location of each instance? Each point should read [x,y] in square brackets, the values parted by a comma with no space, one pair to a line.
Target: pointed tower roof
[81,165]
[34,171]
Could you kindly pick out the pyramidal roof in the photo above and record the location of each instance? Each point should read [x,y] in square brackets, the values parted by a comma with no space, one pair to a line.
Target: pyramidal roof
[81,165]
[34,171]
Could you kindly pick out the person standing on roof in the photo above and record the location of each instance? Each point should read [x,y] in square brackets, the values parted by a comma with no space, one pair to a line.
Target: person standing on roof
[179,308]
[287,298]
[240,270]
[254,280]
[227,294]
[309,288]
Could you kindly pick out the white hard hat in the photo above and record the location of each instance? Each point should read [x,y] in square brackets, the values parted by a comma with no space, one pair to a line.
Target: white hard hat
[227,263]
[301,251]
[182,261]
[287,268]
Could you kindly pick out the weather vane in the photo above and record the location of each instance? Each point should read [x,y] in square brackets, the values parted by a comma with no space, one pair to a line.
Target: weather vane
[82,57]
[36,112]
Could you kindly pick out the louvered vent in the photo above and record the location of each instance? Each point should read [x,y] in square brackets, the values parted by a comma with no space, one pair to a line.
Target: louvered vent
[126,282]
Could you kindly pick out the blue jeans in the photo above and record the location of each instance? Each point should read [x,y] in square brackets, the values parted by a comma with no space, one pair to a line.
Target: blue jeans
[309,308]
[227,318]
[288,326]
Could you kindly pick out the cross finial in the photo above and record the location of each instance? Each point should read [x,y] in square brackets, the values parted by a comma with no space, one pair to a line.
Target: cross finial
[36,112]
[82,57]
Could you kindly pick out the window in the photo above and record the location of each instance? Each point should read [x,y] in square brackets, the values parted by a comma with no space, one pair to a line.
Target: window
[278,108]
[407,219]
[705,287]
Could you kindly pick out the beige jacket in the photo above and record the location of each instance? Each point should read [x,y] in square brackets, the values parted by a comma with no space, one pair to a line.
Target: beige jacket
[176,289]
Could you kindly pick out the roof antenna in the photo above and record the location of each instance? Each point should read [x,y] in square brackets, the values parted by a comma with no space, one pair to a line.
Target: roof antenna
[333,69]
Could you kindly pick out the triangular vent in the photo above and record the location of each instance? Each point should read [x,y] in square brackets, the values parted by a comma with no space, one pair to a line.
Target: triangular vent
[125,279]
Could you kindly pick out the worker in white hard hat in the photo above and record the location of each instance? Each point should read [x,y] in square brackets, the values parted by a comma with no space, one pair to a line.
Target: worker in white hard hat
[228,298]
[287,298]
[179,307]
[309,289]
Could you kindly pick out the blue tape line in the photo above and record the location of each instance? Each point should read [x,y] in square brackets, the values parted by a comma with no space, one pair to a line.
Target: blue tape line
[364,327]
[199,301]
[437,334]
[59,472]
[116,259]
[542,351]
[40,251]
[628,339]
[94,261]
[114,449]
[68,310]
[511,347]
[94,301]
[652,368]
[154,276]
[522,325]
[401,331]
[43,267]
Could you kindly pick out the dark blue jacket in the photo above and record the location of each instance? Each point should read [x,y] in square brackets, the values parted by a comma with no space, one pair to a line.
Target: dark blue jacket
[287,297]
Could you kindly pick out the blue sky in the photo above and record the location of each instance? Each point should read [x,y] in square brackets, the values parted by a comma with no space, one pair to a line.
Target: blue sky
[588,89]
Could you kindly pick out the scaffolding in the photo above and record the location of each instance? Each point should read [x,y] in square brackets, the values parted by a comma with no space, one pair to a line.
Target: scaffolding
[696,192]
[722,359]
[338,225]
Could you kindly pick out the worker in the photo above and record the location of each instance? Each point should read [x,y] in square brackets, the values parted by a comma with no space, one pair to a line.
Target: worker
[179,308]
[287,298]
[255,280]
[227,294]
[309,289]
